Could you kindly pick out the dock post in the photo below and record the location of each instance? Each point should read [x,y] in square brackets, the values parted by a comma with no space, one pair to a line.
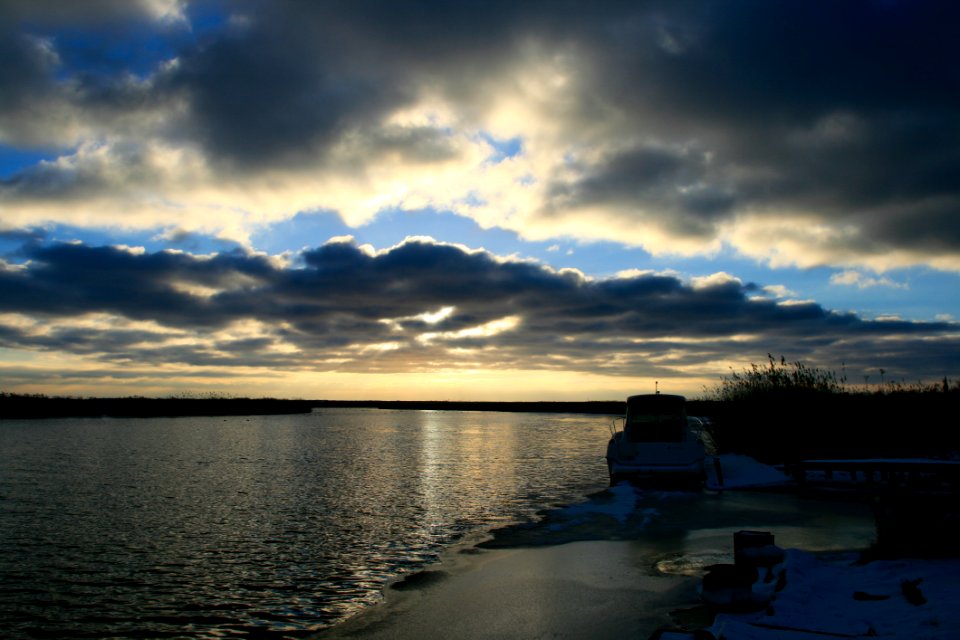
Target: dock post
[719,469]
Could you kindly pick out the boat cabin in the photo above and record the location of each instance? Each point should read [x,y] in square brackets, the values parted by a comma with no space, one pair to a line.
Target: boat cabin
[655,418]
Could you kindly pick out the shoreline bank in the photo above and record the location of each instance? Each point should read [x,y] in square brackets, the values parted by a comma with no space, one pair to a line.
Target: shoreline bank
[43,407]
[25,407]
[610,589]
[622,562]
[588,589]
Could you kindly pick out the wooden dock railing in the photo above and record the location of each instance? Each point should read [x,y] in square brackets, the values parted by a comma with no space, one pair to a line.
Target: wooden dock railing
[877,474]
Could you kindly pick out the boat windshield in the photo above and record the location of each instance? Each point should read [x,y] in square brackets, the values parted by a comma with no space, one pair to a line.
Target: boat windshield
[656,418]
[655,428]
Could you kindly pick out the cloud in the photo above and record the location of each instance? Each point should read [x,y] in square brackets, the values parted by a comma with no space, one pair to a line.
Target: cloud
[778,291]
[862,281]
[423,306]
[678,128]
[93,11]
[719,279]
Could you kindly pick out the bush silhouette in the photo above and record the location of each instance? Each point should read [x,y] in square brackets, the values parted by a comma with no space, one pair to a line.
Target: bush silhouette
[787,411]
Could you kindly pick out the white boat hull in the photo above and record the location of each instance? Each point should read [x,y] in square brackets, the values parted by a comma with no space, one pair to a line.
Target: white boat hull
[647,466]
[658,443]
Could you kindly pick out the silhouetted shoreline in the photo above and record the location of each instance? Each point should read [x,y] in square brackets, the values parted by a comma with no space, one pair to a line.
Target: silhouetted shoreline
[23,407]
[772,428]
[14,406]
[604,407]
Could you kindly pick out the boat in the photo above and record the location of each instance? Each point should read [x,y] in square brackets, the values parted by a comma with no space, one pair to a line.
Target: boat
[657,442]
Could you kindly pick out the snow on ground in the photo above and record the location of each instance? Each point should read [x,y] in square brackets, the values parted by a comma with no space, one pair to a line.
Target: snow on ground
[618,502]
[742,472]
[825,595]
[621,507]
[834,597]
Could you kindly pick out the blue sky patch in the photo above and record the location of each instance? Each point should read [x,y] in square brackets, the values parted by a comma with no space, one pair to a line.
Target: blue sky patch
[503,149]
[14,160]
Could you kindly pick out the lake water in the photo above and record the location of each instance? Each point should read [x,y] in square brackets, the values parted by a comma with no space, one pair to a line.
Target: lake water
[213,527]
[279,526]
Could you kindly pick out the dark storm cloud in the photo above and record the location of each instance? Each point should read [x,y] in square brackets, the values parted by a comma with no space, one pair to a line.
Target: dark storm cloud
[23,75]
[70,66]
[260,98]
[22,235]
[847,111]
[672,182]
[70,12]
[699,112]
[71,279]
[342,301]
[297,76]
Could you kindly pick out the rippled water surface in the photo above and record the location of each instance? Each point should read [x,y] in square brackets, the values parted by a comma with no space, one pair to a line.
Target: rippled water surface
[264,526]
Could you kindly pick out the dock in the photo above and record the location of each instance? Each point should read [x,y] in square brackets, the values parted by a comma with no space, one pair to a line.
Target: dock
[877,475]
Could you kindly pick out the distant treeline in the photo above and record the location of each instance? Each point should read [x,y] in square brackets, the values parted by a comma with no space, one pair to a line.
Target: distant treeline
[22,406]
[13,406]
[611,407]
[776,413]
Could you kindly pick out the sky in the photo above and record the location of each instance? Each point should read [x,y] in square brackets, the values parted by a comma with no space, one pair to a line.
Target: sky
[540,200]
